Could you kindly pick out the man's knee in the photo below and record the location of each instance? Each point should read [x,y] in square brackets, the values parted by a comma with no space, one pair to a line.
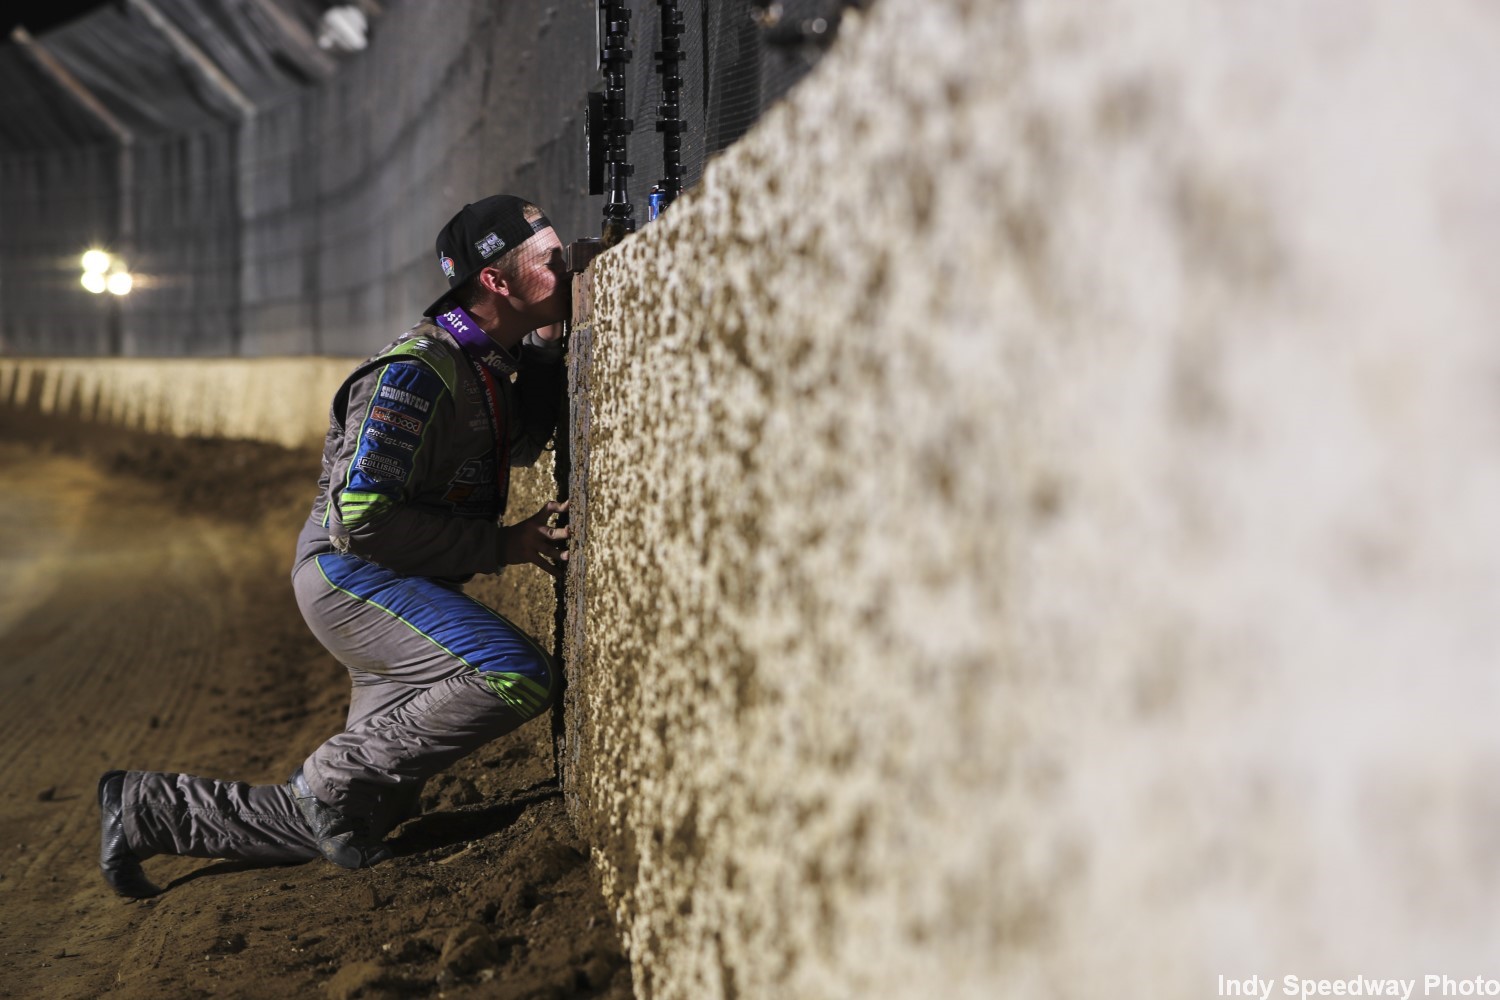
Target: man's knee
[527,684]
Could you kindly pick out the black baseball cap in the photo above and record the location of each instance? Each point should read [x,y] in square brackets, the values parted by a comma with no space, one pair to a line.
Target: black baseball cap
[477,236]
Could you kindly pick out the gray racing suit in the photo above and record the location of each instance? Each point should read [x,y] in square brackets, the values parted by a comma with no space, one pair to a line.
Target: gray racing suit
[413,485]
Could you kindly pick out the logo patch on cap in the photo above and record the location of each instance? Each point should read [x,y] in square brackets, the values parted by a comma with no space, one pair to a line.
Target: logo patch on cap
[489,246]
[447,263]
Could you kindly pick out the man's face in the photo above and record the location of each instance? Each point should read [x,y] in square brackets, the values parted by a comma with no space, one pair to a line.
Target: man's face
[539,283]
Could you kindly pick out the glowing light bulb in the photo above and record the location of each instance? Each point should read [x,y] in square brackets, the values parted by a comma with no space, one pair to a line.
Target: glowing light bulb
[94,281]
[120,283]
[96,262]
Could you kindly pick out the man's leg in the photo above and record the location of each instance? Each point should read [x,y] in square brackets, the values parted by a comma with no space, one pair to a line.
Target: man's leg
[165,813]
[471,676]
[371,769]
[372,695]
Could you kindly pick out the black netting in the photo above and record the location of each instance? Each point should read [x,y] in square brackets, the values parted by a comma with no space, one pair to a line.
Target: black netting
[307,224]
[739,57]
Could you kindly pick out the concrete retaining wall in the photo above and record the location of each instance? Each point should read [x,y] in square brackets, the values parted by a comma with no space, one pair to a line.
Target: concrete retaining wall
[1040,528]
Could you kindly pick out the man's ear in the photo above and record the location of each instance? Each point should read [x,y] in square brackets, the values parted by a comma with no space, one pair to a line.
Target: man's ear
[493,280]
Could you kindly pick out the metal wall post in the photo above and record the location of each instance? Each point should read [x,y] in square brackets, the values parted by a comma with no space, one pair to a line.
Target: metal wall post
[669,120]
[608,125]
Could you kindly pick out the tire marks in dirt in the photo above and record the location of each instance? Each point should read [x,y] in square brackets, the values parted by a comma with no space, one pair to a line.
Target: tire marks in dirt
[126,651]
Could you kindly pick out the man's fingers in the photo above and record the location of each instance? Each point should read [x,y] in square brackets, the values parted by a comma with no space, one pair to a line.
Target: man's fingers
[549,508]
[551,554]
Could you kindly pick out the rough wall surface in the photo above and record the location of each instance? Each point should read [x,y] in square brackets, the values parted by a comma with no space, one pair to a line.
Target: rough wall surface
[1041,530]
[524,594]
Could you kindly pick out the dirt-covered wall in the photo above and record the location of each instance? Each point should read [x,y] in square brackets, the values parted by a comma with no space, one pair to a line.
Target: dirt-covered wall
[1040,531]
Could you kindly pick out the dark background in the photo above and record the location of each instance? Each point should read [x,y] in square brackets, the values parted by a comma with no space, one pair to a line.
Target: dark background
[305,225]
[39,16]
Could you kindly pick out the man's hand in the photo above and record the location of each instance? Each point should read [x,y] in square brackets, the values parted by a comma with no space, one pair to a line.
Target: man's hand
[548,333]
[533,541]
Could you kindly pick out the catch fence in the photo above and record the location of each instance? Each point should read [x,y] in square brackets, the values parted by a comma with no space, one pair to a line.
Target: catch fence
[271,196]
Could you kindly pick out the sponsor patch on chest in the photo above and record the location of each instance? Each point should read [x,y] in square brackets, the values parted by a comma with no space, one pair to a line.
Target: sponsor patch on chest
[472,488]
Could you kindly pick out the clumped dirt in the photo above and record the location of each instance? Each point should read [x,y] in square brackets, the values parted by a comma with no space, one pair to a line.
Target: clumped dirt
[161,634]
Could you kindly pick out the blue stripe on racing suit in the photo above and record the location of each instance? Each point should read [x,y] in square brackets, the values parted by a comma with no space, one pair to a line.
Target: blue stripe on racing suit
[390,438]
[512,666]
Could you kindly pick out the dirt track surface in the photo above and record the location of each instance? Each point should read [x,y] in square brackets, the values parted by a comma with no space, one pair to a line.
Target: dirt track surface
[146,621]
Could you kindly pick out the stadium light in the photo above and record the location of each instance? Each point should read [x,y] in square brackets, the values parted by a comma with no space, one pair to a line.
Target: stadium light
[103,271]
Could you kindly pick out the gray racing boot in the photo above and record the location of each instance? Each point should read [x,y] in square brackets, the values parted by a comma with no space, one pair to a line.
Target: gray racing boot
[118,863]
[343,840]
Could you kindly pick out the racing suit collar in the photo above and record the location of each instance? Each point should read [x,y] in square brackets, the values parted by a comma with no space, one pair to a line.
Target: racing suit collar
[475,342]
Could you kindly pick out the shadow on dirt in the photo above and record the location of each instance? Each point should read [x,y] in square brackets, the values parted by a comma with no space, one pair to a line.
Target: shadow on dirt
[434,831]
[220,868]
